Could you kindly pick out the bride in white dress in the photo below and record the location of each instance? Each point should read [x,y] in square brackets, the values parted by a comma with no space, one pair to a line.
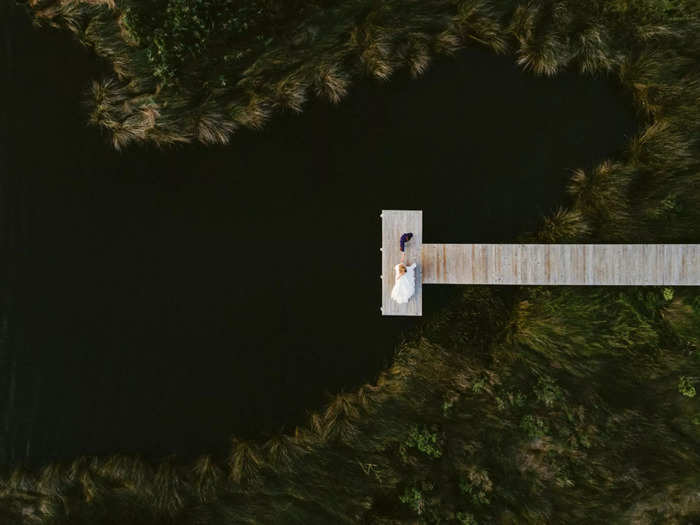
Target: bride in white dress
[405,283]
[404,280]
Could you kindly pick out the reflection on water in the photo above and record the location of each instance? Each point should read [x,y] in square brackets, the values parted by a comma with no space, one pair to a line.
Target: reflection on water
[170,299]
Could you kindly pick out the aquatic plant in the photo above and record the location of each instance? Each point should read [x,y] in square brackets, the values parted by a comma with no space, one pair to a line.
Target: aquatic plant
[205,69]
[685,386]
[564,225]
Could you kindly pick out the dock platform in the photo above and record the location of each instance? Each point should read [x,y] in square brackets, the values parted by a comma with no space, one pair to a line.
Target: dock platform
[394,224]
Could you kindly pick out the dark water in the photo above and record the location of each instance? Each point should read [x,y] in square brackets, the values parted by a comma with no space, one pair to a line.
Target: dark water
[166,300]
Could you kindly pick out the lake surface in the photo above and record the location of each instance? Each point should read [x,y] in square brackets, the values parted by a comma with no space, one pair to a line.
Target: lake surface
[161,301]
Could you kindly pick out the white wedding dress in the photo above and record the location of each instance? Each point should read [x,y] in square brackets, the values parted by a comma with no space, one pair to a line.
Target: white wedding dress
[405,285]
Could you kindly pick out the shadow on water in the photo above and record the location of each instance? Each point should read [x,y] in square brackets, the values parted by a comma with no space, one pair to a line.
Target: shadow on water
[171,299]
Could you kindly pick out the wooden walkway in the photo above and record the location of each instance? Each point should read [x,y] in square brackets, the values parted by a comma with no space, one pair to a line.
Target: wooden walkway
[562,264]
[529,264]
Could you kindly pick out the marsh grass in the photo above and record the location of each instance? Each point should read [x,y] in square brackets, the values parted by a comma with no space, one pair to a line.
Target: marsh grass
[245,462]
[602,197]
[548,405]
[316,56]
[564,225]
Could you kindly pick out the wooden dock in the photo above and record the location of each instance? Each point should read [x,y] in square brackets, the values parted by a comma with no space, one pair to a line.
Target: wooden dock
[529,264]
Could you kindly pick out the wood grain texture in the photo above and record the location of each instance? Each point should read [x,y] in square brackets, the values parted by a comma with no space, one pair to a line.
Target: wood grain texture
[394,224]
[562,264]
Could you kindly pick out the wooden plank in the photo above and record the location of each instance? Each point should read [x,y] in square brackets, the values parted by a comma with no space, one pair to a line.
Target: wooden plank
[394,224]
[562,264]
[689,261]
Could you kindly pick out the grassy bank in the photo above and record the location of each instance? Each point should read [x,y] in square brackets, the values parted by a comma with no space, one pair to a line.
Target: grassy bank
[530,405]
[197,71]
[178,79]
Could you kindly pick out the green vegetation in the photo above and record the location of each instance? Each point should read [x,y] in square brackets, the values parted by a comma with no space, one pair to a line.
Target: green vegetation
[203,37]
[197,70]
[527,405]
[187,70]
[685,386]
[424,440]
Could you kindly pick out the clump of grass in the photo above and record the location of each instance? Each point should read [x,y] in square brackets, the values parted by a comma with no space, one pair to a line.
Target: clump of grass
[374,45]
[211,127]
[52,480]
[684,317]
[601,196]
[478,21]
[594,51]
[564,226]
[168,489]
[208,478]
[331,82]
[282,452]
[415,51]
[340,417]
[541,50]
[245,462]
